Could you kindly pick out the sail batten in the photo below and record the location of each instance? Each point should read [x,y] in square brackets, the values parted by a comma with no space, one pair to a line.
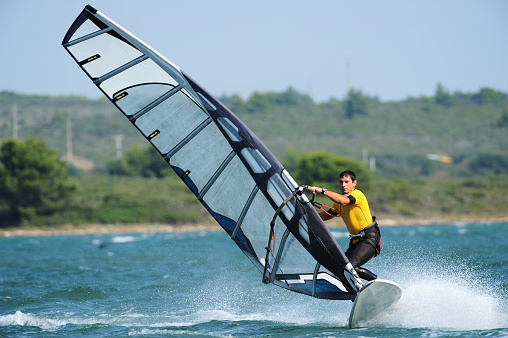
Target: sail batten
[86,37]
[120,69]
[244,211]
[216,175]
[156,102]
[186,140]
[228,169]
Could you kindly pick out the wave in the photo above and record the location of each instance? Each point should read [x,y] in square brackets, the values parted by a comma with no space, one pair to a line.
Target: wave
[21,319]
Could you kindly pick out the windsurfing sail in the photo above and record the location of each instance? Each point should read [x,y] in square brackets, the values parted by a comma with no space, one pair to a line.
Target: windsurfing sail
[229,170]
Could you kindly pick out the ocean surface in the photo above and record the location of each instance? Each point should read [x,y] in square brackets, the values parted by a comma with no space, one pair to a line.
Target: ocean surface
[454,280]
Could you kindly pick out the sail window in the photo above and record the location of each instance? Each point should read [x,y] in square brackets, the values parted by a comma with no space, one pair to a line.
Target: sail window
[303,229]
[230,129]
[279,191]
[256,160]
[207,103]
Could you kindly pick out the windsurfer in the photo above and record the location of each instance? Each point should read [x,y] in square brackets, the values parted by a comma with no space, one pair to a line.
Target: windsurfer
[352,205]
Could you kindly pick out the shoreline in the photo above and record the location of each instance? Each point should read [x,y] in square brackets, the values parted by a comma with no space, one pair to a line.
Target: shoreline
[109,229]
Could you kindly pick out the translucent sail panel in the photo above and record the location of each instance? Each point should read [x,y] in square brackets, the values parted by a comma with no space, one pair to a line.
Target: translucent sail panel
[256,160]
[105,52]
[229,193]
[295,259]
[174,119]
[256,227]
[279,191]
[134,99]
[143,72]
[304,274]
[201,156]
[87,27]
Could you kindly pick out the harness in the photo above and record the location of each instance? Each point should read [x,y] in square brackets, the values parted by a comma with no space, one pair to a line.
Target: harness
[362,233]
[370,234]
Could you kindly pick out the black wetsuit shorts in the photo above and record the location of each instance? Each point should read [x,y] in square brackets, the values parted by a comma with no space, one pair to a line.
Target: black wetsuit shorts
[363,249]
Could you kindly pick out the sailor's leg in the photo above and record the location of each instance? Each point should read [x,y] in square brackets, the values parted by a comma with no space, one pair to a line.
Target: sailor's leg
[359,254]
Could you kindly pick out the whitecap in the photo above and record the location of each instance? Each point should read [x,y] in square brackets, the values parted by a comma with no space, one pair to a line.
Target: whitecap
[124,239]
[22,319]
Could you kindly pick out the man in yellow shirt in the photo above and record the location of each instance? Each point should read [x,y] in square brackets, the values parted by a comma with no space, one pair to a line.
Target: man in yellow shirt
[364,231]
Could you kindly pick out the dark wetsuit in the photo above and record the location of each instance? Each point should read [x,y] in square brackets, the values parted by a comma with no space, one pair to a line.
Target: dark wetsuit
[362,250]
[359,221]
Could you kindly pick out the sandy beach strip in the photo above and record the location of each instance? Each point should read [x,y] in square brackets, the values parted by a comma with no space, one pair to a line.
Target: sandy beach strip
[91,229]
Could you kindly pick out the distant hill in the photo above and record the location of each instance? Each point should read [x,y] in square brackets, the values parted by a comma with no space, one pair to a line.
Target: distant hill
[471,129]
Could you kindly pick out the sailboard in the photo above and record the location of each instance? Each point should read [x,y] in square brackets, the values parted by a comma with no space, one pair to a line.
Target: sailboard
[373,302]
[229,170]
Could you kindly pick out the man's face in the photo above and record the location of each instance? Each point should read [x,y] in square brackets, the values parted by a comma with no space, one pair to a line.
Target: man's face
[346,185]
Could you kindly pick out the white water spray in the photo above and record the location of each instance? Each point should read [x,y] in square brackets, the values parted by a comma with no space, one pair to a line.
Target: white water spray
[448,300]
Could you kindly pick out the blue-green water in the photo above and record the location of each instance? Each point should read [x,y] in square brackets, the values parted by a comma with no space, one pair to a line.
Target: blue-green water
[454,281]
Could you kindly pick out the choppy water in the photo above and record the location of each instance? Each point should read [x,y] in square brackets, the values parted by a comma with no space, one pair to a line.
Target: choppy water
[454,281]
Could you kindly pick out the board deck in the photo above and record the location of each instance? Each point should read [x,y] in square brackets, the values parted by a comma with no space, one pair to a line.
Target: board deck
[373,302]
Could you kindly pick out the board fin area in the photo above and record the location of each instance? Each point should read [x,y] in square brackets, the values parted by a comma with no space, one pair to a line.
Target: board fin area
[373,302]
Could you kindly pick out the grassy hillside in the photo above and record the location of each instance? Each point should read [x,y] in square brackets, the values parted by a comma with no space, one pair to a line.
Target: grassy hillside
[397,134]
[120,200]
[471,129]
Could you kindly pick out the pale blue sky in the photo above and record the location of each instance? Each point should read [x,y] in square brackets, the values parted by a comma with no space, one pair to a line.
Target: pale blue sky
[396,48]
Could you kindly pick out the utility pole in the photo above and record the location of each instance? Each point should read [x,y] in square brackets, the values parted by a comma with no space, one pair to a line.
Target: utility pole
[372,163]
[365,156]
[68,127]
[15,121]
[349,83]
[118,144]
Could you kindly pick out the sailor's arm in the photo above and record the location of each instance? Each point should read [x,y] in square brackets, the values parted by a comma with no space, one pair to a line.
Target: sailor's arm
[335,197]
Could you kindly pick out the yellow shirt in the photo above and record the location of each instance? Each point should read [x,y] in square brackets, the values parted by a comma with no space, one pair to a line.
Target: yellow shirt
[356,216]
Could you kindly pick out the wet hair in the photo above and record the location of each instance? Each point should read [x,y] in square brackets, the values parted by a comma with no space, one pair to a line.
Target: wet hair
[349,173]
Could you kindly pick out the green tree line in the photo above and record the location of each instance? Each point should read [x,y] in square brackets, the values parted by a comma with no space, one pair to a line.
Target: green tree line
[36,189]
[315,141]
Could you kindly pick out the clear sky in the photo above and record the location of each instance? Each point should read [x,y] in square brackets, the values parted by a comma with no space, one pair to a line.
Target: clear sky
[395,48]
